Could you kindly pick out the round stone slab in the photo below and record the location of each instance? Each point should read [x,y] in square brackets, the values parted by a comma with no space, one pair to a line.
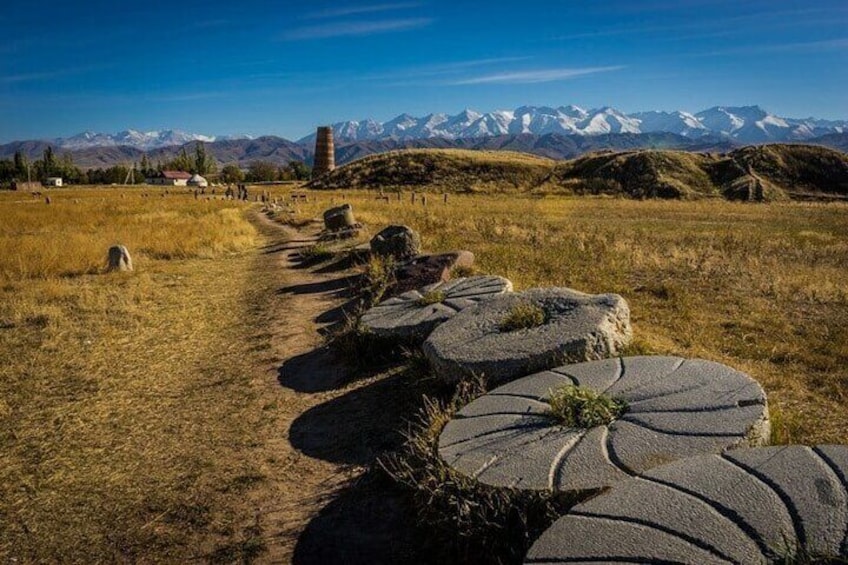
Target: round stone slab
[409,317]
[761,505]
[577,327]
[676,408]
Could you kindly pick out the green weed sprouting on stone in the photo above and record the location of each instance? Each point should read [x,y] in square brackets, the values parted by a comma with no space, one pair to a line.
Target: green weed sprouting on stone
[523,316]
[580,407]
[432,297]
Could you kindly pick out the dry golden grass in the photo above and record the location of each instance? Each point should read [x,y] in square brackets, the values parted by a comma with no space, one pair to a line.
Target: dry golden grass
[131,416]
[762,288]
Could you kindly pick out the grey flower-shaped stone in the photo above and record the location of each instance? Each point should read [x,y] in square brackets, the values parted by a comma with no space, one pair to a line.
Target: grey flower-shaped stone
[676,408]
[578,327]
[762,505]
[409,318]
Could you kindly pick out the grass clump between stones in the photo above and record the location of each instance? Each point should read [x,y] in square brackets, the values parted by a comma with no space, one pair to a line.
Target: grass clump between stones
[468,522]
[581,407]
[523,316]
[432,297]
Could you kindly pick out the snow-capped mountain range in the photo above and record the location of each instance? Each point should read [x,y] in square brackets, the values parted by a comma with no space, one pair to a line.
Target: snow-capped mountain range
[746,124]
[138,139]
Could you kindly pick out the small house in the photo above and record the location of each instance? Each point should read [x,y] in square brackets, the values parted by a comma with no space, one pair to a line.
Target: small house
[197,180]
[53,181]
[26,186]
[170,178]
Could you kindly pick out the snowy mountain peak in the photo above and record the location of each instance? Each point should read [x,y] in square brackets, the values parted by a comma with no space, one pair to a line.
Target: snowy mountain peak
[746,124]
[134,138]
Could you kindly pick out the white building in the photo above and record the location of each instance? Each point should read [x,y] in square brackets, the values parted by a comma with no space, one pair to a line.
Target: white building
[170,178]
[197,180]
[53,181]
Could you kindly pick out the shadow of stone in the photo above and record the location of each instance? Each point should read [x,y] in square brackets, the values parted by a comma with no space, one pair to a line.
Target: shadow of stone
[369,522]
[315,371]
[348,260]
[341,287]
[339,313]
[275,248]
[356,427]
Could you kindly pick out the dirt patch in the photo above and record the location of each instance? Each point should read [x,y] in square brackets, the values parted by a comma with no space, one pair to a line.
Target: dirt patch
[325,505]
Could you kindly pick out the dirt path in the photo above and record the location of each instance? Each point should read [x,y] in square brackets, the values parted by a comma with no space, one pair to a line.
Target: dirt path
[321,505]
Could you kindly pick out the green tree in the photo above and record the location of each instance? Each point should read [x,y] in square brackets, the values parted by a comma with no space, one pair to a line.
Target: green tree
[181,162]
[299,170]
[21,165]
[145,168]
[262,171]
[232,174]
[48,162]
[7,170]
[200,158]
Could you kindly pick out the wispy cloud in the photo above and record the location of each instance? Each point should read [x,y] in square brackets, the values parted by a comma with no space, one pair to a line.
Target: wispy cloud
[736,24]
[534,77]
[802,47]
[355,29]
[48,75]
[359,10]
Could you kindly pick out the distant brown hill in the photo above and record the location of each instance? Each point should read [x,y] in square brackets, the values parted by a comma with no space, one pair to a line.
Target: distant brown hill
[761,173]
[281,151]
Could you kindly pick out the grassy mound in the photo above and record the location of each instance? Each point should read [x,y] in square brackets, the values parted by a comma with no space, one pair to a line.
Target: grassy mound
[449,170]
[641,174]
[801,171]
[759,173]
[762,173]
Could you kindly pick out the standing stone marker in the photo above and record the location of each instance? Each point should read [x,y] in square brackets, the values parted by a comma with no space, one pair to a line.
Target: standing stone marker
[119,259]
[399,242]
[339,218]
[573,327]
[675,408]
[781,504]
[413,315]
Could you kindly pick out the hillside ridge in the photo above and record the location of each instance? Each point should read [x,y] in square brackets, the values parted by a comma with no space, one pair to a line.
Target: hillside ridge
[756,173]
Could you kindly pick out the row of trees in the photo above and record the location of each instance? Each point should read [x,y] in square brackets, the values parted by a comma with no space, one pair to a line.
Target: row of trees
[21,169]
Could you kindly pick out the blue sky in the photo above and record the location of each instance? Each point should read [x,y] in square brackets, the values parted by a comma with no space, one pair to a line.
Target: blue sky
[280,67]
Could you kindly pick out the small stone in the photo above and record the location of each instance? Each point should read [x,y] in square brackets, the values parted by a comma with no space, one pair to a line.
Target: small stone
[119,259]
[399,242]
[411,316]
[576,327]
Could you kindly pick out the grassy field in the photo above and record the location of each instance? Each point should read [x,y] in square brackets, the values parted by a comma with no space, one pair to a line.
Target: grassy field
[762,288]
[131,413]
[134,410]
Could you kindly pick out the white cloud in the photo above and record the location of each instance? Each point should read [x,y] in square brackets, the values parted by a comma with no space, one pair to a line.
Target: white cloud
[534,77]
[358,10]
[355,29]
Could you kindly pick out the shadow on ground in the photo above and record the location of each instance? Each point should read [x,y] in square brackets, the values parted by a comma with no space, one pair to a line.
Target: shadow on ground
[369,522]
[342,287]
[356,427]
[315,371]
